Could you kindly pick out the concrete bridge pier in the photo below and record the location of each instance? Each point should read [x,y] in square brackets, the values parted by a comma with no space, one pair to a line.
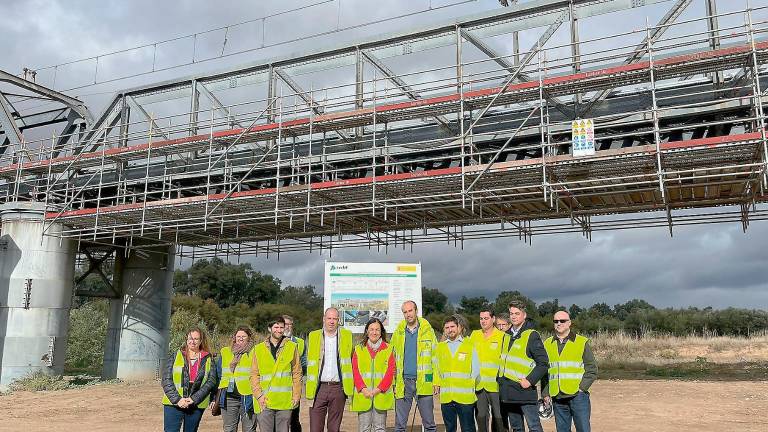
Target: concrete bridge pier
[36,283]
[139,320]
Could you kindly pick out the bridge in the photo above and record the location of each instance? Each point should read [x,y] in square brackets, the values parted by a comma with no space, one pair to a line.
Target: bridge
[434,135]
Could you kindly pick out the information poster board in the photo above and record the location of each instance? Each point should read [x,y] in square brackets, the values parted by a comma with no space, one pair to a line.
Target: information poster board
[361,291]
[583,137]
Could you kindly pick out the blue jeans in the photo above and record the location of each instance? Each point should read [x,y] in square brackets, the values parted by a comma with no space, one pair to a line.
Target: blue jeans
[464,412]
[575,408]
[517,412]
[174,417]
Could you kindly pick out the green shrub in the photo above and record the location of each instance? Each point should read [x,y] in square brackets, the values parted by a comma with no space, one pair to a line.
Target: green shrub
[87,336]
[39,381]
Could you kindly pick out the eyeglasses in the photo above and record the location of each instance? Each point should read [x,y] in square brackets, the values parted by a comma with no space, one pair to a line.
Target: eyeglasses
[560,321]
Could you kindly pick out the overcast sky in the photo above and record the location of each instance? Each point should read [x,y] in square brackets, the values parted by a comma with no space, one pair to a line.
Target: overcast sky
[715,265]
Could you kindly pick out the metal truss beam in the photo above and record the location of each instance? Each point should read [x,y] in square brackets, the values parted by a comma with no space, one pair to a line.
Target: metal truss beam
[75,104]
[44,118]
[8,123]
[94,266]
[218,105]
[510,67]
[299,91]
[156,129]
[405,88]
[99,129]
[306,97]
[68,131]
[642,48]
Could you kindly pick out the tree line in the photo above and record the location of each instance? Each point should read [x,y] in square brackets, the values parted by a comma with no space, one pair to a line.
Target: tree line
[221,296]
[226,295]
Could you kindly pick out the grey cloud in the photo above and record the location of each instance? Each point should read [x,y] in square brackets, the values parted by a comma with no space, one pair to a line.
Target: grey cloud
[713,264]
[700,266]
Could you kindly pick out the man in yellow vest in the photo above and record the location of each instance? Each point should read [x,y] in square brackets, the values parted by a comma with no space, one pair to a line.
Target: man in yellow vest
[329,373]
[487,343]
[456,375]
[523,364]
[414,343]
[502,322]
[275,378]
[572,370]
[300,346]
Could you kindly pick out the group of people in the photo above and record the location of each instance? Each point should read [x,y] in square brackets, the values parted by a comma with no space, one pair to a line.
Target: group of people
[486,379]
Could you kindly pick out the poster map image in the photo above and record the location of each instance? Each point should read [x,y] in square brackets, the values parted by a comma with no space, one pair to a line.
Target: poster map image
[356,308]
[361,291]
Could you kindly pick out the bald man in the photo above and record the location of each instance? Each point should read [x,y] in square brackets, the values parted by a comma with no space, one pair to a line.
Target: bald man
[572,370]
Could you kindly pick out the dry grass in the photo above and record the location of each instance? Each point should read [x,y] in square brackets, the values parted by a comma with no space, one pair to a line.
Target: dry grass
[659,349]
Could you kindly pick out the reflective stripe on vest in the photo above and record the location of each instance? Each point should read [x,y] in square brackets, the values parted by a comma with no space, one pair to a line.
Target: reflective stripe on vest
[425,344]
[276,378]
[566,369]
[456,383]
[315,345]
[489,353]
[241,375]
[178,368]
[515,363]
[373,371]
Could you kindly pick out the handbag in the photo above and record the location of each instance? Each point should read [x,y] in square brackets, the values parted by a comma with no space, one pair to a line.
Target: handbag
[215,405]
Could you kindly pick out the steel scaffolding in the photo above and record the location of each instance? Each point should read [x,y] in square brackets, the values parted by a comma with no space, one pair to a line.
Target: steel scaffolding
[454,149]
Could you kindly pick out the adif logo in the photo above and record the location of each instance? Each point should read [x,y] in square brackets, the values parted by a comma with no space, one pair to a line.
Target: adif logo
[334,267]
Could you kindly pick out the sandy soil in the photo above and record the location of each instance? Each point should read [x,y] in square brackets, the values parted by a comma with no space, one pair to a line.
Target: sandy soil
[658,406]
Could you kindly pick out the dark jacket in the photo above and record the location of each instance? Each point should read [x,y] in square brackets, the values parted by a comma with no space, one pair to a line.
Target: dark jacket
[511,391]
[197,390]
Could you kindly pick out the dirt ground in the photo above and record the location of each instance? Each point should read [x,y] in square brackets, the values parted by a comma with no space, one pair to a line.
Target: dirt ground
[658,406]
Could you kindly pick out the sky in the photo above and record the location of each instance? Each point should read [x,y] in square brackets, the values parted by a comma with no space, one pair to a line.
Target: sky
[708,265]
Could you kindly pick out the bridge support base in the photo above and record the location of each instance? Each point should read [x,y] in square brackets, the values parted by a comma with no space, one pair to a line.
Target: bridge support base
[139,321]
[36,282]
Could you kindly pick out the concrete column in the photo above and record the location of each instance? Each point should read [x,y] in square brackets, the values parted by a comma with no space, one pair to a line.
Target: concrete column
[36,282]
[139,321]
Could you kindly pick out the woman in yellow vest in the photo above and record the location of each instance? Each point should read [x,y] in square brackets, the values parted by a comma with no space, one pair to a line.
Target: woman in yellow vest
[373,370]
[235,395]
[188,381]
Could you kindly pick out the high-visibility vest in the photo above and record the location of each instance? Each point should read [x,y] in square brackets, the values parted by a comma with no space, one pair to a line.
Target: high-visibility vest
[425,344]
[178,367]
[314,347]
[566,369]
[515,363]
[299,345]
[241,375]
[373,371]
[489,353]
[275,375]
[455,373]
